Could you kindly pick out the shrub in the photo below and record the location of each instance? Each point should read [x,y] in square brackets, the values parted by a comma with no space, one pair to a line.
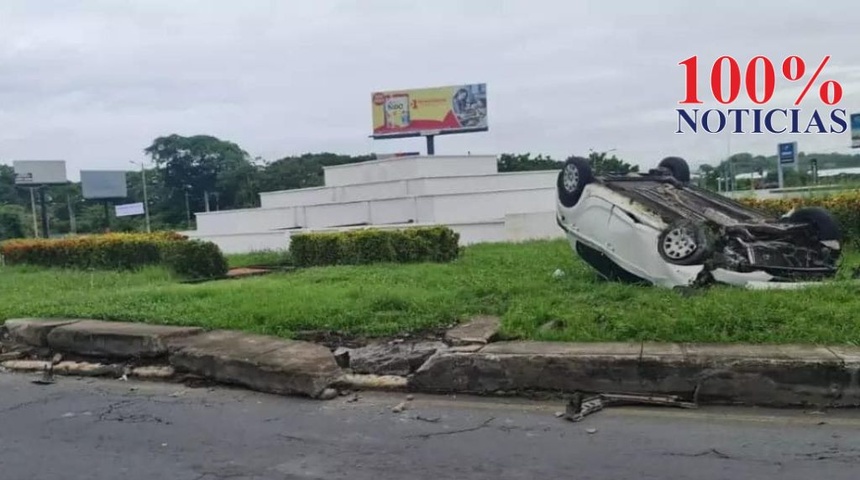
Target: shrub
[111,251]
[195,259]
[844,206]
[359,247]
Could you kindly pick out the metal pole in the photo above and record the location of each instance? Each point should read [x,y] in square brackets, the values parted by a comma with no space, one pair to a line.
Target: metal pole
[72,225]
[44,206]
[187,210]
[145,199]
[35,217]
[431,147]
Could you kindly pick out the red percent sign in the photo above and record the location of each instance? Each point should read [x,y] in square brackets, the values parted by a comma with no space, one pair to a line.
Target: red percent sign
[793,69]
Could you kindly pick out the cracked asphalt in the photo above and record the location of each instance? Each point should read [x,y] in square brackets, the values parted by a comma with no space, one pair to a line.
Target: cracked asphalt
[110,429]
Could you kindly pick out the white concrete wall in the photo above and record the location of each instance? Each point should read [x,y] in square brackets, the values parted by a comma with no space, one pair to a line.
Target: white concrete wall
[517,227]
[448,208]
[483,206]
[403,168]
[403,188]
[244,242]
[298,196]
[483,183]
[532,226]
[245,220]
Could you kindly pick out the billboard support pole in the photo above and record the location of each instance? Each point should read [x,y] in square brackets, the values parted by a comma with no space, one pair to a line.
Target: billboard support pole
[35,216]
[107,215]
[431,147]
[43,205]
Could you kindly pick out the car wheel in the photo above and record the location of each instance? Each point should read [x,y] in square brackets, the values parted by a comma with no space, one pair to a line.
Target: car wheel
[572,179]
[826,227]
[677,168]
[684,243]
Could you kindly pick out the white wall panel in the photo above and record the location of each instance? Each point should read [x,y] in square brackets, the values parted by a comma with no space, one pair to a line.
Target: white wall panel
[247,220]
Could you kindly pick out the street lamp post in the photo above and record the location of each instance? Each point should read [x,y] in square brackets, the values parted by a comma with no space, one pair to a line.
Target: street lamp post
[145,199]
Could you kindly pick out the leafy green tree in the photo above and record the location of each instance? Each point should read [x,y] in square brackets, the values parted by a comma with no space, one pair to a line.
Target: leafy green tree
[524,162]
[192,169]
[11,222]
[602,164]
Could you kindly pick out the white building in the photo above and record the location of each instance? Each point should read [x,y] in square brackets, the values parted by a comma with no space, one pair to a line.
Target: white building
[466,193]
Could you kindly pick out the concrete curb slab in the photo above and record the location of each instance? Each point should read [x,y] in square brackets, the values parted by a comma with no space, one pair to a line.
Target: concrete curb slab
[34,331]
[763,375]
[752,375]
[258,362]
[116,339]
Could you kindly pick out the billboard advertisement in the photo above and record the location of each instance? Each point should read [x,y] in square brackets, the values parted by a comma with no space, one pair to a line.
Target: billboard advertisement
[855,130]
[39,172]
[103,184]
[436,111]
[129,209]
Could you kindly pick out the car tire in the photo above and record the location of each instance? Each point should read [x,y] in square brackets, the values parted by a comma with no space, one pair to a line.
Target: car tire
[572,179]
[684,243]
[677,167]
[825,225]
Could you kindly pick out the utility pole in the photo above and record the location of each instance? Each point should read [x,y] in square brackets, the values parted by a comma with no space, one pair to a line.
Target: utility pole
[145,199]
[33,207]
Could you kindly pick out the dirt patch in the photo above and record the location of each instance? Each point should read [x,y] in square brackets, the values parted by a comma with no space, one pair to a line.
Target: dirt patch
[247,272]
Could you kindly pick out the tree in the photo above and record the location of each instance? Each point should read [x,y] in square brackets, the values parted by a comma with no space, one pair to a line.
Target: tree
[602,163]
[193,168]
[11,222]
[523,163]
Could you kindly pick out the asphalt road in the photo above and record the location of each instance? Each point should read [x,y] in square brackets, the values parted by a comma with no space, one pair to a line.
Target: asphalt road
[110,429]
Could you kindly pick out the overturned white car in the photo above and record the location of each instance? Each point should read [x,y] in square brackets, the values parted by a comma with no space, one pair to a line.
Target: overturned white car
[656,228]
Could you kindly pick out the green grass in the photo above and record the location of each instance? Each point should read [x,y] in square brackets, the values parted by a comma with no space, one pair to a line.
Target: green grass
[513,281]
[263,257]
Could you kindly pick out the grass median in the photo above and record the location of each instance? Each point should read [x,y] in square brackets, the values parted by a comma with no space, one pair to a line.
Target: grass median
[515,282]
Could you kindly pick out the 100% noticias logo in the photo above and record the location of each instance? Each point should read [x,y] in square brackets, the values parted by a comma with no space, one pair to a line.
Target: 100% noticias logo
[758,120]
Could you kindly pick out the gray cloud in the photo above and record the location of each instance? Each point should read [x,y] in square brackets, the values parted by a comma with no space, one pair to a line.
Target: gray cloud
[94,82]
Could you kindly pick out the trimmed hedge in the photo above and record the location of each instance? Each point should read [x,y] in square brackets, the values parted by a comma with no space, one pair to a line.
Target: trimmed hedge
[120,251]
[361,247]
[195,259]
[844,206]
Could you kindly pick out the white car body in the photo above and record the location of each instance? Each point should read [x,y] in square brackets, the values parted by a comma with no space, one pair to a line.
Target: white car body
[627,233]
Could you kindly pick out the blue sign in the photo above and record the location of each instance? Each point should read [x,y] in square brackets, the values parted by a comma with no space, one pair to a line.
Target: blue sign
[855,130]
[787,152]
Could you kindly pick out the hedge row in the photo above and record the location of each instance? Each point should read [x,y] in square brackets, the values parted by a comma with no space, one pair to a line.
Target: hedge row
[359,247]
[844,206]
[120,251]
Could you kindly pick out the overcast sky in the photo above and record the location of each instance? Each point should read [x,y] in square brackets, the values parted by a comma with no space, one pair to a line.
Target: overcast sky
[93,82]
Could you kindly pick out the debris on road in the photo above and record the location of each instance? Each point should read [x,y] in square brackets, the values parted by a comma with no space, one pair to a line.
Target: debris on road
[579,407]
[399,407]
[47,376]
[591,431]
[328,394]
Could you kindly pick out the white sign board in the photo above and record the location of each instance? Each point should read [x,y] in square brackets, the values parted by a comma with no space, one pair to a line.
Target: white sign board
[39,172]
[103,184]
[129,209]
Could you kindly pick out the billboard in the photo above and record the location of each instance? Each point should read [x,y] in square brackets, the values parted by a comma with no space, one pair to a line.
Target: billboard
[103,184]
[39,172]
[855,130]
[129,209]
[436,111]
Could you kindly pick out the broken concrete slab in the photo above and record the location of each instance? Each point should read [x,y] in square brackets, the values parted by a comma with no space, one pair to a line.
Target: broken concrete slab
[481,329]
[712,374]
[34,331]
[116,339]
[400,358]
[258,362]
